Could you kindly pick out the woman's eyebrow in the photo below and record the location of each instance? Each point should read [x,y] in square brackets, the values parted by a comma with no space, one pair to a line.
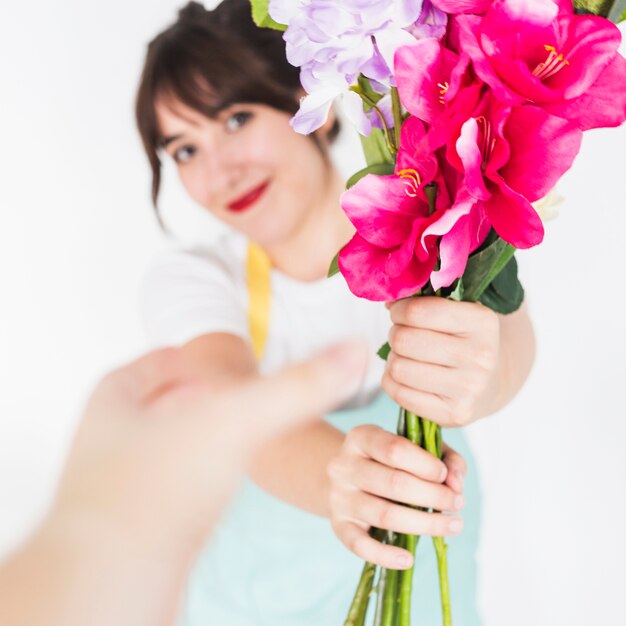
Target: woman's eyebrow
[166,141]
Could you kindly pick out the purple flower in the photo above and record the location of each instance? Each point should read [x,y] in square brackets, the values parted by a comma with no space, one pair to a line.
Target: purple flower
[334,42]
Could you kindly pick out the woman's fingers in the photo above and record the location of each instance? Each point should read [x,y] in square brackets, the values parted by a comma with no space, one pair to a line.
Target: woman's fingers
[396,485]
[457,469]
[397,452]
[381,513]
[427,345]
[427,377]
[357,540]
[439,314]
[428,405]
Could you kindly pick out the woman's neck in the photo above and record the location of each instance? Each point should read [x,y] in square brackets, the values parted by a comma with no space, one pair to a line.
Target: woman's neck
[307,253]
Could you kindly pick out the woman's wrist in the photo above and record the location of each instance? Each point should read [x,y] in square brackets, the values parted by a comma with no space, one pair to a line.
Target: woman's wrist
[516,355]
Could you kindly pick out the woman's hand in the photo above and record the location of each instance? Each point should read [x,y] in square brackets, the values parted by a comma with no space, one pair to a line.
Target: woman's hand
[375,470]
[444,363]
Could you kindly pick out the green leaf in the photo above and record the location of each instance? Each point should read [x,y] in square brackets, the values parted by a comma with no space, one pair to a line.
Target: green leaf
[457,290]
[597,7]
[617,13]
[375,148]
[384,350]
[380,169]
[334,266]
[365,87]
[261,16]
[505,294]
[483,267]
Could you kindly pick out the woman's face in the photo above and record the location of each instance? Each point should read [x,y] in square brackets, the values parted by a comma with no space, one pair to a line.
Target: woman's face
[247,167]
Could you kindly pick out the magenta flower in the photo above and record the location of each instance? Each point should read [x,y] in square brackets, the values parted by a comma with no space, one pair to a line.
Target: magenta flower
[535,51]
[509,156]
[429,76]
[452,7]
[395,249]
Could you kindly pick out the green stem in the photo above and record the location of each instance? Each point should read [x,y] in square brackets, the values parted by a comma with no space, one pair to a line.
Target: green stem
[381,596]
[442,563]
[406,585]
[415,434]
[397,115]
[434,445]
[388,136]
[358,609]
[390,603]
[401,430]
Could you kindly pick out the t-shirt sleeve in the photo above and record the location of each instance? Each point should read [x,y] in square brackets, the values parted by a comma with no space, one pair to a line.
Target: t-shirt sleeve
[185,294]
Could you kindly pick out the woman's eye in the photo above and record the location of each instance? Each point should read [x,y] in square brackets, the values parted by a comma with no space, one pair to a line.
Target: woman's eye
[237,120]
[183,154]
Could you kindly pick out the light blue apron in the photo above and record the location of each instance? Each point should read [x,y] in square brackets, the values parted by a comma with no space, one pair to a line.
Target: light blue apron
[272,564]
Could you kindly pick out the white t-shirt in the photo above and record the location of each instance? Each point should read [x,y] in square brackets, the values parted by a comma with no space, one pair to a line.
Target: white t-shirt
[188,293]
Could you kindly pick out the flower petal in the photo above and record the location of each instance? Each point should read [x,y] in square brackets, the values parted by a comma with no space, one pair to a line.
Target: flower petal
[471,157]
[543,148]
[596,41]
[469,32]
[513,217]
[353,108]
[313,111]
[604,103]
[381,210]
[453,254]
[389,40]
[365,269]
[414,153]
[421,69]
[537,12]
[463,6]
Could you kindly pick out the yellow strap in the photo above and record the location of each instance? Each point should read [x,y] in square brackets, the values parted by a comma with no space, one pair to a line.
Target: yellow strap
[258,272]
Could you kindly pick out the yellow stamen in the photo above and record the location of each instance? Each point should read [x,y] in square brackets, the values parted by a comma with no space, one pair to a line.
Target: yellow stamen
[553,64]
[443,89]
[488,141]
[412,181]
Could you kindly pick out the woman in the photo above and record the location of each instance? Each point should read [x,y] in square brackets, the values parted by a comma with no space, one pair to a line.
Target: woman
[216,95]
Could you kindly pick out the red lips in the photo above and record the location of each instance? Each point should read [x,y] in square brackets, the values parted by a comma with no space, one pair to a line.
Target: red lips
[241,204]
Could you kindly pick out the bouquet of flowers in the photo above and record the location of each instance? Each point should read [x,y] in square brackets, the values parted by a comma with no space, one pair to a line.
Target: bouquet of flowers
[470,111]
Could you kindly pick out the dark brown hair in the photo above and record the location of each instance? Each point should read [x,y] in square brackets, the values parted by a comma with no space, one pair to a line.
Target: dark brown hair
[209,60]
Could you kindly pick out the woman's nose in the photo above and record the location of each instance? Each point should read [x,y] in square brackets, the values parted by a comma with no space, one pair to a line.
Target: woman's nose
[220,172]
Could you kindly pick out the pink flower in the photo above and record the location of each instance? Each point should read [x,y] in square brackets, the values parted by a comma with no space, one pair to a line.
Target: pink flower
[428,76]
[398,240]
[539,52]
[452,7]
[509,156]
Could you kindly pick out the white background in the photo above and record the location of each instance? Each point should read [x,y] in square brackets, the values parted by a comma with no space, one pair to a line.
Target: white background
[76,233]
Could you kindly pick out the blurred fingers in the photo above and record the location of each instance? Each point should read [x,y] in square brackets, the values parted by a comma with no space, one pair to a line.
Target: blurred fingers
[299,392]
[148,377]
